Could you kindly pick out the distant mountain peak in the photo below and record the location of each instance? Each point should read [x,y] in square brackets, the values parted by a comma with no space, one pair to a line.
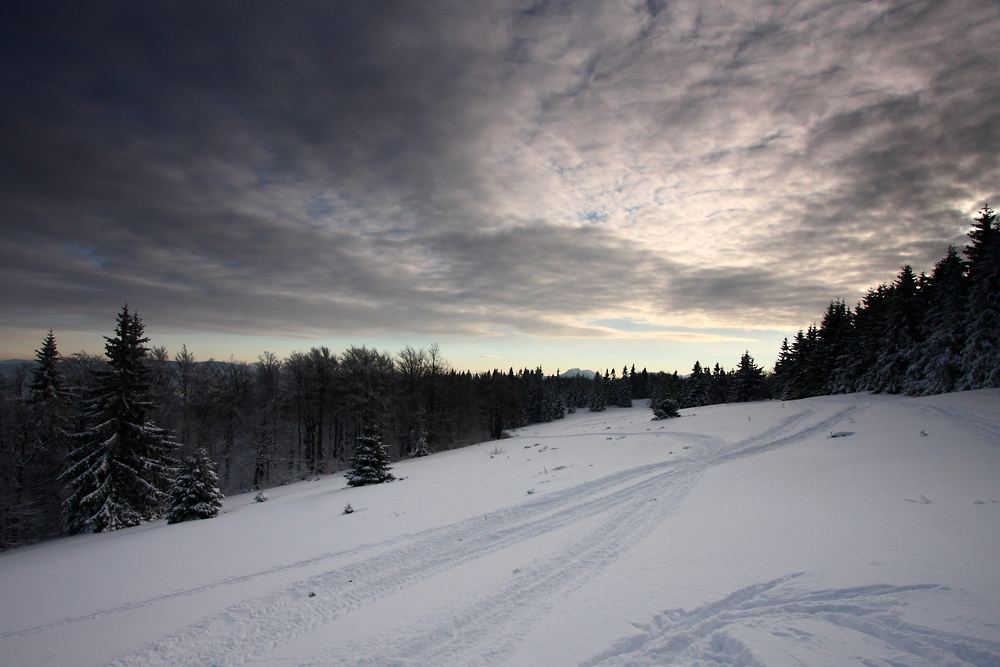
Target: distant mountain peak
[573,372]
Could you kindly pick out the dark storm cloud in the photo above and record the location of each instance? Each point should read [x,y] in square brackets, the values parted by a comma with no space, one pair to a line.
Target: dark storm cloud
[457,167]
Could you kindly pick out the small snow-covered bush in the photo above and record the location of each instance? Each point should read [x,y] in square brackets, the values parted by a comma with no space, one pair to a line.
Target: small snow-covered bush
[665,408]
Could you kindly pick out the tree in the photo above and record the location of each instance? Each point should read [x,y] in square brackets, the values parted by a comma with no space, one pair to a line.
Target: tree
[195,493]
[936,364]
[901,333]
[664,407]
[981,357]
[597,400]
[46,377]
[120,471]
[370,463]
[748,380]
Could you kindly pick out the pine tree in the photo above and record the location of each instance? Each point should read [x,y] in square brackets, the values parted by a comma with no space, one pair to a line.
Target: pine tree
[598,402]
[901,333]
[719,385]
[625,389]
[46,377]
[748,380]
[936,364]
[698,384]
[195,493]
[981,357]
[370,463]
[121,469]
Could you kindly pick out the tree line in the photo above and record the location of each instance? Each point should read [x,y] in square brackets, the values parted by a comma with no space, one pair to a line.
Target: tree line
[919,335]
[264,423]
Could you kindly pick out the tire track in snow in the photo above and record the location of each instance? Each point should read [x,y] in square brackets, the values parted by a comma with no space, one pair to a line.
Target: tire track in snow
[492,627]
[547,502]
[265,622]
[811,627]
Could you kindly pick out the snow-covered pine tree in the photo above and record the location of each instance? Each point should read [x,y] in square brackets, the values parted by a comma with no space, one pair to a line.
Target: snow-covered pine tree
[664,407]
[625,389]
[195,493]
[901,333]
[370,463]
[936,364]
[981,357]
[696,387]
[598,402]
[121,469]
[46,377]
[748,380]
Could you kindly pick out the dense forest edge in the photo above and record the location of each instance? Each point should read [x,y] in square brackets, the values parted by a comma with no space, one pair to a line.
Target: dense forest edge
[93,443]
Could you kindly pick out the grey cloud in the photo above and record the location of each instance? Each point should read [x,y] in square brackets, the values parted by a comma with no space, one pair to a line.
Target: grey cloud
[467,167]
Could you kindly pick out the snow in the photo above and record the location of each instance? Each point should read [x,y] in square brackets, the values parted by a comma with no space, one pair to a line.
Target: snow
[735,535]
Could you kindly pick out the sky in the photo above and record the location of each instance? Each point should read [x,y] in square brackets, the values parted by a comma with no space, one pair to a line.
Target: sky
[590,183]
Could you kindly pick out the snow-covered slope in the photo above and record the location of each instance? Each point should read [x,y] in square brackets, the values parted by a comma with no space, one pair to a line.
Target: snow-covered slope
[738,534]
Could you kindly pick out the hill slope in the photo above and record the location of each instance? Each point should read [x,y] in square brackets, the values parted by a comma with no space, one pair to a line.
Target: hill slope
[738,533]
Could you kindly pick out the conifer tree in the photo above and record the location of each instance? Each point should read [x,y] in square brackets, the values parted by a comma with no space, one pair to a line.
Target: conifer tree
[625,389]
[120,470]
[195,493]
[697,387]
[981,357]
[748,380]
[46,380]
[936,364]
[901,333]
[370,463]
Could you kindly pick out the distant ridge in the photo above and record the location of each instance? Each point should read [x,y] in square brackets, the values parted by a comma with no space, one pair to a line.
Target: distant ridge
[573,372]
[7,366]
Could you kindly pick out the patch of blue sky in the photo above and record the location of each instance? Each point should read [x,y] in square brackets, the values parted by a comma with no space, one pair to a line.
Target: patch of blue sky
[90,254]
[593,216]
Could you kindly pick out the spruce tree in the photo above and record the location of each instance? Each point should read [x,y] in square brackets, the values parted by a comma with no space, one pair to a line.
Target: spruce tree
[370,463]
[120,470]
[936,364]
[195,493]
[901,333]
[598,403]
[46,377]
[981,357]
[625,389]
[748,380]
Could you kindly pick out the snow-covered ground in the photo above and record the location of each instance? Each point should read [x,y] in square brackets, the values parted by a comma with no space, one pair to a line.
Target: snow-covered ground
[736,535]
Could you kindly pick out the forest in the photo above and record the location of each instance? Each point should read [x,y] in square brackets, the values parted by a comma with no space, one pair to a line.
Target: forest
[277,420]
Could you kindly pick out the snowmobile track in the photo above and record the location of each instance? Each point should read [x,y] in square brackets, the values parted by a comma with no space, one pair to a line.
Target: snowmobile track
[495,623]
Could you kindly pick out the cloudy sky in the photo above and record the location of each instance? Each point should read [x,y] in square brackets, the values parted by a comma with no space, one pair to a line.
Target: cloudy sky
[581,183]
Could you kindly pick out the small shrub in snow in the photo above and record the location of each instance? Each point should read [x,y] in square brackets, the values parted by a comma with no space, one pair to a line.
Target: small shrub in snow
[261,497]
[348,509]
[195,493]
[665,408]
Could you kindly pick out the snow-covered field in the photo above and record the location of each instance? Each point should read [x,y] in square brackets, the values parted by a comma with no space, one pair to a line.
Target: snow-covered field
[736,535]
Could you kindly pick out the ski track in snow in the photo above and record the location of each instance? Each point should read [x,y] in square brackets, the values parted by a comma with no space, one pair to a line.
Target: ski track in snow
[851,626]
[630,504]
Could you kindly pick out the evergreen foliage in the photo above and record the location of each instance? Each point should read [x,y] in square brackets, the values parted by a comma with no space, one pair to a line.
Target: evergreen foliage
[370,463]
[748,381]
[919,335]
[598,399]
[47,378]
[981,356]
[195,494]
[120,470]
